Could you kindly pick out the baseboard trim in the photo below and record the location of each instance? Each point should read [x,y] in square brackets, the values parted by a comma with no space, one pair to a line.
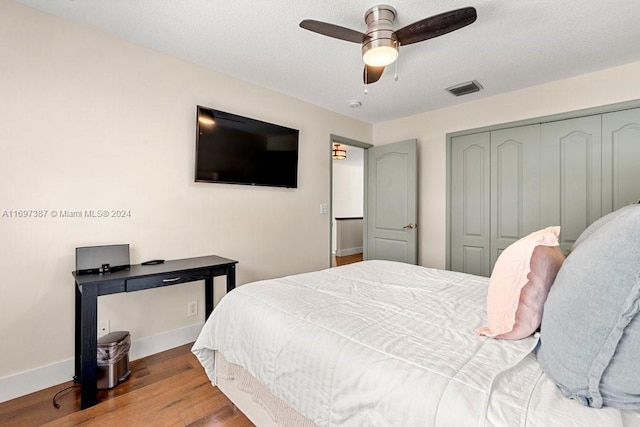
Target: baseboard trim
[349,251]
[27,382]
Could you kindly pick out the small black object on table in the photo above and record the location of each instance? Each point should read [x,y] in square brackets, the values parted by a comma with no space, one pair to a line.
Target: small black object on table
[153,262]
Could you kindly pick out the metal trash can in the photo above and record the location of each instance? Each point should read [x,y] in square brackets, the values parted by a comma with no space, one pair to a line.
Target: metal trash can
[113,359]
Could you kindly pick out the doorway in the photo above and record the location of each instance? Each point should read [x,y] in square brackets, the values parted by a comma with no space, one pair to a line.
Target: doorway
[347,195]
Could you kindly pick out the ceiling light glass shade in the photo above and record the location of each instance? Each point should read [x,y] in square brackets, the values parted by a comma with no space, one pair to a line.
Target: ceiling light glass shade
[381,51]
[339,153]
[380,56]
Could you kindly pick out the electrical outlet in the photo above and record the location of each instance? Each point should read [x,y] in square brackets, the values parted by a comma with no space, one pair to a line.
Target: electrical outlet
[192,308]
[104,327]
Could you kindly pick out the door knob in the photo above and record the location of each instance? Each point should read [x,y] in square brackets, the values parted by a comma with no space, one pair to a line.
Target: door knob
[410,226]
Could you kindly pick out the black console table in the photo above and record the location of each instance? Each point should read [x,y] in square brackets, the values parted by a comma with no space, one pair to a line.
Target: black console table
[136,278]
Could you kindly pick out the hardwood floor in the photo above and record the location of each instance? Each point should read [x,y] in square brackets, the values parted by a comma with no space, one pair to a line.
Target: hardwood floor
[165,389]
[348,259]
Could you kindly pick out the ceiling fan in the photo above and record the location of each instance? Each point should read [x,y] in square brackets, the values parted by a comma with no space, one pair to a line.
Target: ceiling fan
[380,43]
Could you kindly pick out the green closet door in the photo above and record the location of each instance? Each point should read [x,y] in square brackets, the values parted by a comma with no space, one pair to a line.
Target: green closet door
[515,186]
[469,215]
[621,158]
[571,176]
[510,182]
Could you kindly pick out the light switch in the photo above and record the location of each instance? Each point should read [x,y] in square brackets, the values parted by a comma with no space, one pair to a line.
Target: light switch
[324,209]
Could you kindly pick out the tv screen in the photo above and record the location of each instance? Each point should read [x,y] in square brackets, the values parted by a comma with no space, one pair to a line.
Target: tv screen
[233,149]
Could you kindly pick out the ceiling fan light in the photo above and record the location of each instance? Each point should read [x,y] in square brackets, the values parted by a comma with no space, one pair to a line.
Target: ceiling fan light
[381,47]
[380,56]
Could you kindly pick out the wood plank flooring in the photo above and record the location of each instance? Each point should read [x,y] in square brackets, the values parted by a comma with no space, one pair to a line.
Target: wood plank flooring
[165,389]
[347,259]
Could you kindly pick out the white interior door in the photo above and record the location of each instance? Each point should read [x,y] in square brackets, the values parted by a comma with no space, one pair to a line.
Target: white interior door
[392,202]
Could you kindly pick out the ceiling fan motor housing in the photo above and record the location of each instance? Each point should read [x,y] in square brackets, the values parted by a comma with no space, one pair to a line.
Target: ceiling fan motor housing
[379,20]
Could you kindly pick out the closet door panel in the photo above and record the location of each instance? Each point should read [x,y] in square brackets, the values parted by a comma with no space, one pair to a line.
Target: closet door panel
[515,186]
[470,170]
[571,178]
[621,156]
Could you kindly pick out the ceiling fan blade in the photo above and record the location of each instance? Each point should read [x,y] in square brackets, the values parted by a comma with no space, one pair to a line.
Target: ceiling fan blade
[437,25]
[334,31]
[371,74]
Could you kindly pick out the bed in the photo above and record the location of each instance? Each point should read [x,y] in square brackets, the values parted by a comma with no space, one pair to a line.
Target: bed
[381,343]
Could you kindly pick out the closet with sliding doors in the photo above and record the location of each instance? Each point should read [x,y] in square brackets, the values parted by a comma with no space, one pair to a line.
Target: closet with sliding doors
[505,183]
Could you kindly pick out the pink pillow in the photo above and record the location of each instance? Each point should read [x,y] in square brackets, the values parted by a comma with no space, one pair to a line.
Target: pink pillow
[519,285]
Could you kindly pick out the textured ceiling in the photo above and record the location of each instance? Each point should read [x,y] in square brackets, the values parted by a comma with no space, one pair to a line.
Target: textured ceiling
[512,45]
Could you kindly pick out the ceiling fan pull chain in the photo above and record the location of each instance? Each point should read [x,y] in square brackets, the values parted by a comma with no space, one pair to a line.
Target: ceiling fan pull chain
[366,78]
[397,60]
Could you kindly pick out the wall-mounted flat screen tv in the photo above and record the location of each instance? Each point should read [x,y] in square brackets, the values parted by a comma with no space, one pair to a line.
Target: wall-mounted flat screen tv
[233,149]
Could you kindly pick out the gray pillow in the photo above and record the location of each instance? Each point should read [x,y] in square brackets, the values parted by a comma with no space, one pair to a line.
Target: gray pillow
[590,333]
[599,223]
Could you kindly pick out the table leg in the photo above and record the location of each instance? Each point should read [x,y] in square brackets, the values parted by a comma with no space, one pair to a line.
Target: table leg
[231,277]
[89,344]
[78,332]
[208,297]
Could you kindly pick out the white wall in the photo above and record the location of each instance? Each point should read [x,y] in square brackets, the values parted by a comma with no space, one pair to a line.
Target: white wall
[591,90]
[88,121]
[348,189]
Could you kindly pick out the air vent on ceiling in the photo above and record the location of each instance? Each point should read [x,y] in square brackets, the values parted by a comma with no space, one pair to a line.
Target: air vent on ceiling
[464,88]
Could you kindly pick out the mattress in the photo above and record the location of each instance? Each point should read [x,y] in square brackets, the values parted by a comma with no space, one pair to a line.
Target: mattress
[382,343]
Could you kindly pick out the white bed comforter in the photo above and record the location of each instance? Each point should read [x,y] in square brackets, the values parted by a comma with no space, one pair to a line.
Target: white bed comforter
[376,343]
